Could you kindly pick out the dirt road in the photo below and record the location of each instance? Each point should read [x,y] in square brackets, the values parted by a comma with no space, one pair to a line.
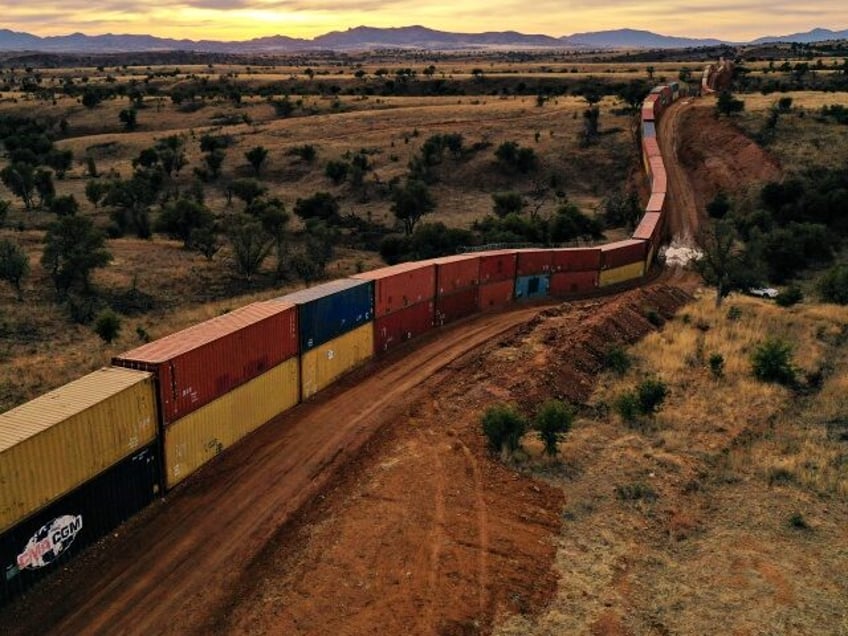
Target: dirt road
[684,220]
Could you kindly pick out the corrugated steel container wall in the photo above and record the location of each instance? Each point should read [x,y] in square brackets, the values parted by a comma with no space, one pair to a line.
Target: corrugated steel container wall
[651,147]
[534,262]
[530,287]
[496,295]
[622,253]
[457,272]
[460,304]
[60,440]
[497,266]
[649,227]
[576,259]
[649,108]
[30,550]
[649,130]
[331,309]
[401,286]
[656,203]
[659,182]
[621,274]
[325,364]
[403,325]
[193,440]
[199,364]
[565,283]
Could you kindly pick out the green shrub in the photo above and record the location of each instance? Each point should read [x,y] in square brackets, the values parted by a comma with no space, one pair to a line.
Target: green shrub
[734,313]
[772,362]
[627,406]
[617,360]
[552,422]
[503,427]
[797,522]
[716,363]
[651,393]
[635,491]
[833,286]
[108,325]
[792,295]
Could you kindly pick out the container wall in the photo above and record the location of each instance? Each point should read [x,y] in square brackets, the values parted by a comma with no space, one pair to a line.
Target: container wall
[457,272]
[401,286]
[451,307]
[328,362]
[531,287]
[58,441]
[621,274]
[47,540]
[496,295]
[622,253]
[329,310]
[193,440]
[576,259]
[658,176]
[497,266]
[403,325]
[648,228]
[199,364]
[650,147]
[649,129]
[656,203]
[565,283]
[532,262]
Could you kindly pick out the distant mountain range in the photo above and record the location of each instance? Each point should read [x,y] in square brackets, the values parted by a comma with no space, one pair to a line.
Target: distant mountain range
[370,38]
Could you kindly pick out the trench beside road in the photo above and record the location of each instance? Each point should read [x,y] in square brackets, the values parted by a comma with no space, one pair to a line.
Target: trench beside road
[183,559]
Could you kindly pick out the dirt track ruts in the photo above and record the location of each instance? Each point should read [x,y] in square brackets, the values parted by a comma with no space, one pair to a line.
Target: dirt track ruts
[684,221]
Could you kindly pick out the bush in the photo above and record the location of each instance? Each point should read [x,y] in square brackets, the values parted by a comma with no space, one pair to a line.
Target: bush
[716,363]
[792,295]
[108,325]
[617,360]
[627,406]
[772,362]
[833,286]
[552,422]
[652,393]
[503,426]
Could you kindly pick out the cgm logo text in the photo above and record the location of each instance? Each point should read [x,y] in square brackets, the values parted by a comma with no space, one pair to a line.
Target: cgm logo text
[49,542]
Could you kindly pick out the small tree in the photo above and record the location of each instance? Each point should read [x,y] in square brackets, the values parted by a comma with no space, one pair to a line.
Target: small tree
[20,179]
[95,191]
[506,203]
[65,205]
[129,118]
[250,244]
[772,362]
[4,211]
[336,171]
[44,186]
[14,265]
[727,105]
[833,286]
[321,206]
[182,217]
[724,262]
[107,325]
[716,362]
[651,393]
[411,202]
[248,190]
[256,157]
[73,249]
[503,427]
[552,422]
[60,160]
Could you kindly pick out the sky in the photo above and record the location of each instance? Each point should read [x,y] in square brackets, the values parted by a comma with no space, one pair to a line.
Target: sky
[245,19]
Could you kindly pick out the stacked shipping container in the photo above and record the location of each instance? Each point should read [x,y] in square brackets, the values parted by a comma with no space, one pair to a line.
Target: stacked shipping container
[533,278]
[497,279]
[457,287]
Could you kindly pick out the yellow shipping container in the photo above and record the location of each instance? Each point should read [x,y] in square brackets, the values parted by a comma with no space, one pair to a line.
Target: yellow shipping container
[322,365]
[621,274]
[193,440]
[60,440]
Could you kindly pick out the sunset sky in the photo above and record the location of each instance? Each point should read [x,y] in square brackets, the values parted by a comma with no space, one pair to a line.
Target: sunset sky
[245,19]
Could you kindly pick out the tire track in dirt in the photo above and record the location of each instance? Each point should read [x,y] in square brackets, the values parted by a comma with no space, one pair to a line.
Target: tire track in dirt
[684,221]
[482,529]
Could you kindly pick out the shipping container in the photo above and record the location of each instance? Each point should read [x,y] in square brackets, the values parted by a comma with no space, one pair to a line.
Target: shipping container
[622,253]
[576,259]
[459,304]
[497,266]
[649,227]
[400,326]
[656,203]
[649,108]
[650,147]
[45,541]
[649,130]
[64,438]
[401,286]
[659,182]
[457,272]
[496,295]
[621,274]
[534,262]
[193,440]
[331,309]
[532,287]
[203,362]
[565,283]
[321,366]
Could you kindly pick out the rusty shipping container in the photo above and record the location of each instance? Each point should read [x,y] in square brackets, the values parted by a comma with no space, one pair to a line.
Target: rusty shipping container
[532,262]
[195,439]
[457,272]
[203,362]
[622,253]
[401,286]
[649,227]
[459,304]
[47,540]
[326,363]
[497,266]
[621,274]
[659,180]
[327,311]
[650,147]
[400,326]
[66,437]
[576,259]
[566,283]
[496,295]
[656,203]
[649,108]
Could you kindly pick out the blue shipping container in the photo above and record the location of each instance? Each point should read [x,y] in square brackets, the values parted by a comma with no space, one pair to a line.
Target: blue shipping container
[528,287]
[331,310]
[649,129]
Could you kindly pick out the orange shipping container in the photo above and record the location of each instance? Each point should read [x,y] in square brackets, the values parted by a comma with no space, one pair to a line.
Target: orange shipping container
[497,266]
[496,295]
[457,272]
[401,286]
[565,283]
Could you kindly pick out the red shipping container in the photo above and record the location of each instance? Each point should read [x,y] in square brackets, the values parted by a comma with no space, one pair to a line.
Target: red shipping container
[199,364]
[649,227]
[496,295]
[659,181]
[401,286]
[576,259]
[650,147]
[656,203]
[565,283]
[534,262]
[497,266]
[457,272]
[648,108]
[451,307]
[622,253]
[400,326]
